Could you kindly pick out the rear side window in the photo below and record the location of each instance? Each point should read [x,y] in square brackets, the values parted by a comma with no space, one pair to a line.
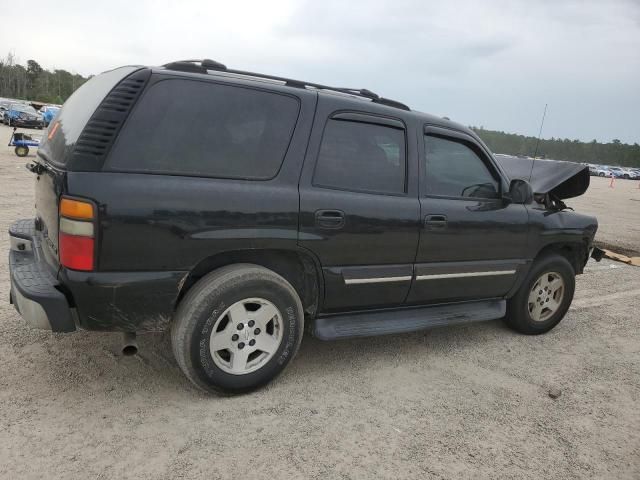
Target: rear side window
[188,127]
[362,157]
[454,170]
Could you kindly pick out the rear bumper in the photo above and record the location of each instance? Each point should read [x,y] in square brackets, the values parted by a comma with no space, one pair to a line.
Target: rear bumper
[35,291]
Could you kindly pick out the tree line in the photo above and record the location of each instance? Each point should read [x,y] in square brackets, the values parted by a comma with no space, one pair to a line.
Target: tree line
[32,82]
[612,153]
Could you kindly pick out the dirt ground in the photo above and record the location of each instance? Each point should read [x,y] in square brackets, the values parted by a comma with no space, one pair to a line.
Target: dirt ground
[462,402]
[617,209]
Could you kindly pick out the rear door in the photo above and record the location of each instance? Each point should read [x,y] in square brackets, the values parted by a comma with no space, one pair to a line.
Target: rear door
[359,211]
[472,241]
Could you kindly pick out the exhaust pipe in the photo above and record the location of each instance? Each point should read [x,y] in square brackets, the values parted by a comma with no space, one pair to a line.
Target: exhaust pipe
[129,344]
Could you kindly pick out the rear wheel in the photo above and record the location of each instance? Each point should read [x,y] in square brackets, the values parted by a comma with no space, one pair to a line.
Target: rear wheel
[601,174]
[237,328]
[22,151]
[544,297]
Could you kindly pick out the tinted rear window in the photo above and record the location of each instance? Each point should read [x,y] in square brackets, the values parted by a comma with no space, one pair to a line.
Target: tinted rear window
[190,127]
[362,157]
[76,112]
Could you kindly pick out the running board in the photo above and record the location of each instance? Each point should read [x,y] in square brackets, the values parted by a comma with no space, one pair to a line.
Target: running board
[368,324]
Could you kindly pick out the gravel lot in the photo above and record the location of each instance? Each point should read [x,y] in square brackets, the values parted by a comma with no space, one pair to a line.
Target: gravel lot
[462,402]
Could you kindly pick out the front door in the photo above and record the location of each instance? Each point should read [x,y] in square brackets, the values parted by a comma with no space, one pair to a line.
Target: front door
[359,212]
[472,241]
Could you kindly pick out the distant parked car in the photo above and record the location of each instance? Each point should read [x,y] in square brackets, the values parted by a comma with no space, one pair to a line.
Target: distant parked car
[602,171]
[634,173]
[21,115]
[627,173]
[48,113]
[4,106]
[617,172]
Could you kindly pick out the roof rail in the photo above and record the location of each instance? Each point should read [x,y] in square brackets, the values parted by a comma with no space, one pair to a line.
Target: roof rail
[204,65]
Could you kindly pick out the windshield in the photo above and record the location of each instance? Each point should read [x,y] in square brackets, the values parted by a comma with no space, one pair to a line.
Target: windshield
[23,108]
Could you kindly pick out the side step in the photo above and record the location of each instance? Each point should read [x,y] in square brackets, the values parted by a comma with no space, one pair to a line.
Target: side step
[368,324]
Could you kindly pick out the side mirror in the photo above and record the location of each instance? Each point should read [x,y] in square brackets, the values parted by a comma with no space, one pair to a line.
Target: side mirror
[520,191]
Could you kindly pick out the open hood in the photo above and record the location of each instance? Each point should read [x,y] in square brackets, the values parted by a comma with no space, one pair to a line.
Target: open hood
[548,177]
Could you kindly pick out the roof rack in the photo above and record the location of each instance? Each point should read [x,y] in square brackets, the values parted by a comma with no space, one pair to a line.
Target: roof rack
[204,65]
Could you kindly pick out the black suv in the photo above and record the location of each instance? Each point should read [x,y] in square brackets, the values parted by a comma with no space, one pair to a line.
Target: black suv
[232,207]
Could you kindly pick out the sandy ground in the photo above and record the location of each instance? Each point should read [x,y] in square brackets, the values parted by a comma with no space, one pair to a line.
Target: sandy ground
[617,209]
[463,402]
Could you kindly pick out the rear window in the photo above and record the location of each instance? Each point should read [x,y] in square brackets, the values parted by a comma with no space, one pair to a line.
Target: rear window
[23,108]
[362,157]
[76,112]
[190,127]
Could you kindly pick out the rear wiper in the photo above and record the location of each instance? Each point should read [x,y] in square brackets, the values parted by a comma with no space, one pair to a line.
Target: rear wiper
[36,167]
[39,166]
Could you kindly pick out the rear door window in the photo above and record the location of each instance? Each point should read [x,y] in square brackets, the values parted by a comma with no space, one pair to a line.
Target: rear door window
[190,127]
[362,157]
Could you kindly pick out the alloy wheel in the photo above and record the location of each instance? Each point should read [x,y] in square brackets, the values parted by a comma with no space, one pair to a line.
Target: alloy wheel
[546,296]
[246,336]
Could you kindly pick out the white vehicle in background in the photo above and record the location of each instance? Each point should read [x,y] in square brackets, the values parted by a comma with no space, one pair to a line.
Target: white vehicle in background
[634,173]
[600,171]
[628,173]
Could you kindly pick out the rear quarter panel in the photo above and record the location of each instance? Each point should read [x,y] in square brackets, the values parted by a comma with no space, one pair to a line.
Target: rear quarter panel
[153,229]
[164,222]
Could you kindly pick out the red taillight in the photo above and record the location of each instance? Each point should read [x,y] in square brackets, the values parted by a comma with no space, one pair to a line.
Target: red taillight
[76,239]
[76,252]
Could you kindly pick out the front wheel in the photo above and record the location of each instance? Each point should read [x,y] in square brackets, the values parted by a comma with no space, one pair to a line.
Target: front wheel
[544,296]
[237,328]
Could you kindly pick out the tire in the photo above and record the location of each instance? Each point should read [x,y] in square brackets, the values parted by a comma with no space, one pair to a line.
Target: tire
[626,176]
[22,151]
[523,308]
[204,319]
[601,174]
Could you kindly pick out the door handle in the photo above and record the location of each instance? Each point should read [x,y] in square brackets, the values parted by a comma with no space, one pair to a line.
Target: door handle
[330,218]
[435,222]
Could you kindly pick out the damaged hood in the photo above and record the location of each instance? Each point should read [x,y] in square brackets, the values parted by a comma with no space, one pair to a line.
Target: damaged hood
[549,177]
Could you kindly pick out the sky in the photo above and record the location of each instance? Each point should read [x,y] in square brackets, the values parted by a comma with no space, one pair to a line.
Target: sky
[490,63]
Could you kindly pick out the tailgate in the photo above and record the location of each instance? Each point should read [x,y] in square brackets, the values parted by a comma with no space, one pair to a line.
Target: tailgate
[49,186]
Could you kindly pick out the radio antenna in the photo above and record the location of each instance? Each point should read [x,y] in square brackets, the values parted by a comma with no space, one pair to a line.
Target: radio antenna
[535,152]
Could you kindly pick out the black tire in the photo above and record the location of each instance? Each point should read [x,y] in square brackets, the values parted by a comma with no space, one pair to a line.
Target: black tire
[518,315]
[601,174]
[22,151]
[626,176]
[207,301]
